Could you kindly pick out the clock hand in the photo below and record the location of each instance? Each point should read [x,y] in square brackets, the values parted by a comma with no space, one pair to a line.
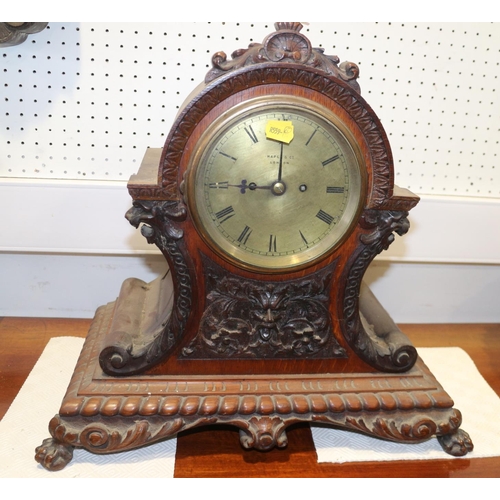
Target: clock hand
[280,171]
[277,188]
[251,186]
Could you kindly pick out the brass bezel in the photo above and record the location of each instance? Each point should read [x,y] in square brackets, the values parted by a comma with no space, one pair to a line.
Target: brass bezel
[289,263]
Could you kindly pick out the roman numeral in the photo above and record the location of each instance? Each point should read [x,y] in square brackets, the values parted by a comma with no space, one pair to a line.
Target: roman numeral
[227,156]
[251,134]
[335,190]
[225,214]
[272,243]
[324,217]
[330,160]
[245,234]
[219,185]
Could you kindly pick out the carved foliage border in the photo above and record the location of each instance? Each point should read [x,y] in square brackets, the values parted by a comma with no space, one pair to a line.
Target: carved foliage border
[226,86]
[259,432]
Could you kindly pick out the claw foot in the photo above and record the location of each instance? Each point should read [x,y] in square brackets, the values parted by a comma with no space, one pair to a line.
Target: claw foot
[457,444]
[53,455]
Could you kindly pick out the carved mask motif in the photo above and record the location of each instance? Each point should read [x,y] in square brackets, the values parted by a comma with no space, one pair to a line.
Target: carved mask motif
[248,318]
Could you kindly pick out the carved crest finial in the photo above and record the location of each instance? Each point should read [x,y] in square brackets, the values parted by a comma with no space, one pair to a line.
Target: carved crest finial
[285,45]
[288,26]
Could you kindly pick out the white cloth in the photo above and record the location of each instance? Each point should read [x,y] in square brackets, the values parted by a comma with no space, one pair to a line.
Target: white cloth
[22,429]
[476,400]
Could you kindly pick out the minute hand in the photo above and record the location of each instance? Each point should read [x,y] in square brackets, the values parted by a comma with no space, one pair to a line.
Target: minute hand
[280,171]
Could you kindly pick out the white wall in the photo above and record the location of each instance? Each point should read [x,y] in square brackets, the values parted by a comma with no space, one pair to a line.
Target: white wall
[73,286]
[80,102]
[66,248]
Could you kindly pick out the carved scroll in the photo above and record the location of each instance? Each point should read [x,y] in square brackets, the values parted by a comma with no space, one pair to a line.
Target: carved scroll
[131,346]
[385,350]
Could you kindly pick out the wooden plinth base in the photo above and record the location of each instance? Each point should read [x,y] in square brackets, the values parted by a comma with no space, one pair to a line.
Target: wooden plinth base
[105,414]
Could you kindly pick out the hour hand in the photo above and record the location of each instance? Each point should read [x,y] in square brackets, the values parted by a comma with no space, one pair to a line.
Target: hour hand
[243,186]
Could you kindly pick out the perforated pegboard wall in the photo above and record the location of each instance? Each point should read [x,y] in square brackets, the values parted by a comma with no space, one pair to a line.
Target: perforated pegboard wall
[84,100]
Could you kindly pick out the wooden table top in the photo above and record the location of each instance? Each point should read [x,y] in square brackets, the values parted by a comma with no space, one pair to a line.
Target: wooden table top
[218,453]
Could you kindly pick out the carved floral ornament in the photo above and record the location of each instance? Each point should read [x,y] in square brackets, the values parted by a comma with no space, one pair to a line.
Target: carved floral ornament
[16,33]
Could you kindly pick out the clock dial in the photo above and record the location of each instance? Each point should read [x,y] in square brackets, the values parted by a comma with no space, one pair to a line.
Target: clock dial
[275,203]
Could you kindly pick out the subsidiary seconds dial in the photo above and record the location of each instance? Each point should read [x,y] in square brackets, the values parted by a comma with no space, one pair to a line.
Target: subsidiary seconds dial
[276,187]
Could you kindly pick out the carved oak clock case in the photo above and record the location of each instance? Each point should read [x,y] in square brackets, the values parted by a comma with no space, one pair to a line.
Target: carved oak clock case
[271,196]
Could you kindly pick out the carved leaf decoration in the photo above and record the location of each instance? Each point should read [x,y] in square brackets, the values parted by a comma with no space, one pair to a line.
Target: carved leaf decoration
[246,318]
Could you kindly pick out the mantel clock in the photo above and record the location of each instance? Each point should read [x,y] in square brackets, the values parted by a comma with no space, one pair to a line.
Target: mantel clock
[271,196]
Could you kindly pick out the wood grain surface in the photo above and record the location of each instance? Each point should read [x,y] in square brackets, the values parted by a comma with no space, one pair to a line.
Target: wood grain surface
[218,453]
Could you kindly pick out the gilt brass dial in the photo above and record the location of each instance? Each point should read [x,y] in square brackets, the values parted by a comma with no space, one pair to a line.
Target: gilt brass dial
[275,185]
